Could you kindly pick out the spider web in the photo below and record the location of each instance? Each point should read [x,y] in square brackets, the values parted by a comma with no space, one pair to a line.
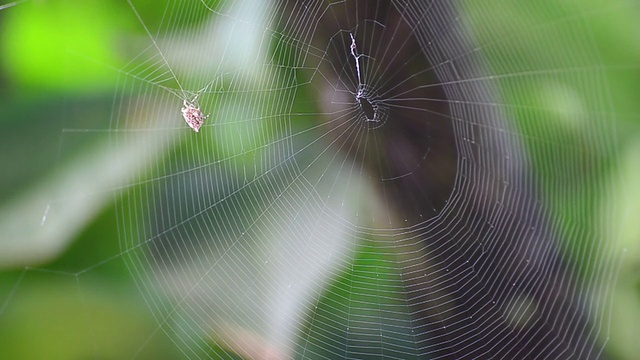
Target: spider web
[380,179]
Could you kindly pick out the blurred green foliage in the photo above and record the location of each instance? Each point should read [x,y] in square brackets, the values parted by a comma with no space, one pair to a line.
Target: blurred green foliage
[59,64]
[40,38]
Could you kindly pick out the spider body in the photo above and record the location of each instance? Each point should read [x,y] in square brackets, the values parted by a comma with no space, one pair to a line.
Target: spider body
[193,115]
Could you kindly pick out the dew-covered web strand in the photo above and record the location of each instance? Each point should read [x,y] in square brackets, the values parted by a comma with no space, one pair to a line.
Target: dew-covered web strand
[229,196]
[189,97]
[511,74]
[333,142]
[155,44]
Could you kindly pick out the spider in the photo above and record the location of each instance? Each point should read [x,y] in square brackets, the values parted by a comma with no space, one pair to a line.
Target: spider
[192,114]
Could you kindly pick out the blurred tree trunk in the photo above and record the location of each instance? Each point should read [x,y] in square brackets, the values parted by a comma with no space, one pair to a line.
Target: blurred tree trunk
[480,259]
